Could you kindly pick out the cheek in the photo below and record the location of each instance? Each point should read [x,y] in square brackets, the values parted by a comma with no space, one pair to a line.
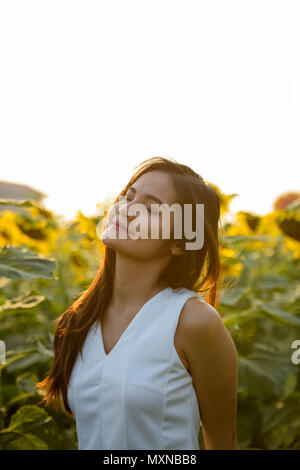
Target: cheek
[161,227]
[155,226]
[165,227]
[143,227]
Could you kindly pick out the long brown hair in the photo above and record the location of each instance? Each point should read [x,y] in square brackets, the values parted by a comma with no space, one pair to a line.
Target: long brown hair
[195,270]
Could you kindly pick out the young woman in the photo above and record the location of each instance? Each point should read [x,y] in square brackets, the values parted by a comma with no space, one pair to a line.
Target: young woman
[155,356]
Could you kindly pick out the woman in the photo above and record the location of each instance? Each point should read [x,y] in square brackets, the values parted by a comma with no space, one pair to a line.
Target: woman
[155,357]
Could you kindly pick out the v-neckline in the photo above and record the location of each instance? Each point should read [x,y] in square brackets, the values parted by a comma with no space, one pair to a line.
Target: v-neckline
[99,329]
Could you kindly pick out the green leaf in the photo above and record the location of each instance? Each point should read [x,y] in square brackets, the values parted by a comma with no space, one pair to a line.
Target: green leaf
[24,362]
[244,430]
[290,384]
[279,315]
[272,282]
[234,239]
[20,399]
[26,382]
[13,359]
[26,418]
[29,301]
[231,296]
[280,425]
[238,318]
[254,380]
[15,202]
[17,263]
[18,441]
[264,373]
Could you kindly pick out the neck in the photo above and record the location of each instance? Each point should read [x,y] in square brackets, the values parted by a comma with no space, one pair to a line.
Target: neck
[135,281]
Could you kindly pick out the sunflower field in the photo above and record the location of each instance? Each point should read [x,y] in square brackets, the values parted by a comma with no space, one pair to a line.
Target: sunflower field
[45,262]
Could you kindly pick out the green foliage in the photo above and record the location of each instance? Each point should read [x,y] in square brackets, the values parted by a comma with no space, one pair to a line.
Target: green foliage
[48,263]
[16,263]
[261,310]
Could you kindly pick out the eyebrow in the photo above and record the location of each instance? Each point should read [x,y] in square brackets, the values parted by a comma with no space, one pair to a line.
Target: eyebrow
[148,196]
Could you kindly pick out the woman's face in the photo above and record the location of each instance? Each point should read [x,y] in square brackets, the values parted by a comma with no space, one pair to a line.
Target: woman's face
[154,187]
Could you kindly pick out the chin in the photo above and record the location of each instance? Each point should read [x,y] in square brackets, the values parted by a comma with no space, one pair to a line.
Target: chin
[109,238]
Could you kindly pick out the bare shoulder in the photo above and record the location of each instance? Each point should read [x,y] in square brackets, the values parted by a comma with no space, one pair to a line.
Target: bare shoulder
[199,316]
[203,328]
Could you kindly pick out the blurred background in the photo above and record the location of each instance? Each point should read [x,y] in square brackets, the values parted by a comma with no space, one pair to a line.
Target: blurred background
[88,90]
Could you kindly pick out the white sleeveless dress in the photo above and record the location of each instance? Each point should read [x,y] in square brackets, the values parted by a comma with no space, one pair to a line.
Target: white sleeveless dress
[140,395]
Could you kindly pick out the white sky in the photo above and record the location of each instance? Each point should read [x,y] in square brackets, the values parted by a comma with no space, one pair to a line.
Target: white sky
[89,89]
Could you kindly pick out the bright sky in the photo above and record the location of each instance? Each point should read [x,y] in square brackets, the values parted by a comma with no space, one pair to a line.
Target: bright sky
[89,89]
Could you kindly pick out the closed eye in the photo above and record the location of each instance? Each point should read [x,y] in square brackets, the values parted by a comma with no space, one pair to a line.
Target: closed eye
[149,209]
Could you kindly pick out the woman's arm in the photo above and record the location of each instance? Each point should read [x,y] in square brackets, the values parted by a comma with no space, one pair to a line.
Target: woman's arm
[213,364]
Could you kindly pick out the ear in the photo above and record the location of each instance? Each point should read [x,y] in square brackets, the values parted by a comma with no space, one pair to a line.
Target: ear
[176,249]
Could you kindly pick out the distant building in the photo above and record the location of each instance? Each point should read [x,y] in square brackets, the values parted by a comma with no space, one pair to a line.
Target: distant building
[19,192]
